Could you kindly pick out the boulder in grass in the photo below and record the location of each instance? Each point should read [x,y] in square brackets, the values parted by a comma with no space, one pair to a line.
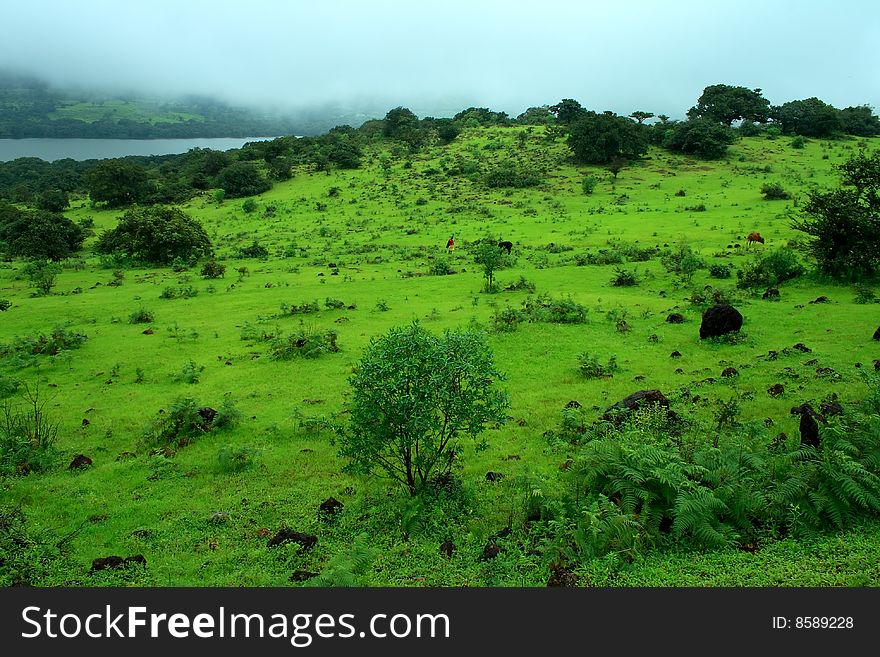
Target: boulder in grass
[636,401]
[720,320]
[285,535]
[877,333]
[675,318]
[80,462]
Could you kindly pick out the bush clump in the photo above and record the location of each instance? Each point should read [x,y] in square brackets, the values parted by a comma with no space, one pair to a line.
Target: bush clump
[771,269]
[213,269]
[591,367]
[305,343]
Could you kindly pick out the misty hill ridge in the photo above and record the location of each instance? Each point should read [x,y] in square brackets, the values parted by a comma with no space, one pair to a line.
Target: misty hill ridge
[30,107]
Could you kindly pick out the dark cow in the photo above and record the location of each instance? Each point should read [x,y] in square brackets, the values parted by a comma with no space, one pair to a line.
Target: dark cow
[754,237]
[505,245]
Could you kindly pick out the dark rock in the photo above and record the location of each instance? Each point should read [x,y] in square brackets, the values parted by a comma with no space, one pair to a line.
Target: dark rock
[772,355]
[447,547]
[285,535]
[729,371]
[573,404]
[124,456]
[494,476]
[800,346]
[302,575]
[561,576]
[877,365]
[775,390]
[778,443]
[207,414]
[812,361]
[771,293]
[491,551]
[822,299]
[79,462]
[809,425]
[877,333]
[638,400]
[653,338]
[831,408]
[147,332]
[675,354]
[330,507]
[135,560]
[720,320]
[105,563]
[85,422]
[675,318]
[768,422]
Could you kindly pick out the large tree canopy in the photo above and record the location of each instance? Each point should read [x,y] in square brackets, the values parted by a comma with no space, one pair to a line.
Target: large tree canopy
[38,234]
[810,117]
[701,137]
[119,183]
[725,104]
[157,235]
[601,138]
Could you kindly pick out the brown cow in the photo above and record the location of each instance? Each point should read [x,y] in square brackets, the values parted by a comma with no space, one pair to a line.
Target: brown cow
[754,237]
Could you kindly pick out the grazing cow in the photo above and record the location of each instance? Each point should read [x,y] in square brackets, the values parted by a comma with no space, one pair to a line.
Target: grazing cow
[754,237]
[505,245]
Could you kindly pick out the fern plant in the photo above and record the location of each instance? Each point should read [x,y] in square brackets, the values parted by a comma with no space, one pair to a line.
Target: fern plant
[348,569]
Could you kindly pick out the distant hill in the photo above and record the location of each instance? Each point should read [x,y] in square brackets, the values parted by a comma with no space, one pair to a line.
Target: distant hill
[30,107]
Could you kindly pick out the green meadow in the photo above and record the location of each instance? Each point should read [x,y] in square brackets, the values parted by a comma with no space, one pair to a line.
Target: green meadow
[361,251]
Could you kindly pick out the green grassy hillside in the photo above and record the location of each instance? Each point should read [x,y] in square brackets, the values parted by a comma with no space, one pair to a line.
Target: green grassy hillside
[370,238]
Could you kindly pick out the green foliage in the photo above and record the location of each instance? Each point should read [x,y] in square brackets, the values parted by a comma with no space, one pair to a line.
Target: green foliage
[52,200]
[798,142]
[38,234]
[511,174]
[860,121]
[242,179]
[719,270]
[774,192]
[770,269]
[157,235]
[5,304]
[27,434]
[189,373]
[142,316]
[810,117]
[42,275]
[603,138]
[624,277]
[119,183]
[441,267]
[682,261]
[544,308]
[725,104]
[491,258]
[60,339]
[701,137]
[305,343]
[213,269]
[184,422]
[591,367]
[844,224]
[255,250]
[349,568]
[232,459]
[588,184]
[864,294]
[413,395]
[179,292]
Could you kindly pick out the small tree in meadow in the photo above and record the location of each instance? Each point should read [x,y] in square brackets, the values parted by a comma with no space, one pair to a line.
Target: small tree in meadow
[489,255]
[414,394]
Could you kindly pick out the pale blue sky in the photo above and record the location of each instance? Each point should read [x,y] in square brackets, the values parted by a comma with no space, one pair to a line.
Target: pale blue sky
[444,56]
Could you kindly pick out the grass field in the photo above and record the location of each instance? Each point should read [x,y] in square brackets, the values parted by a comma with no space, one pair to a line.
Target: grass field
[116,110]
[370,238]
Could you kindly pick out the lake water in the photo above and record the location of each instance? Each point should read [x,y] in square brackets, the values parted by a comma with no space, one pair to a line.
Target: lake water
[98,149]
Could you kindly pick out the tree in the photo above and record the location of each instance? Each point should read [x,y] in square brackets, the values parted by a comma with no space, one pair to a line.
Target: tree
[157,235]
[536,116]
[42,275]
[641,116]
[400,123]
[567,111]
[119,183]
[413,395]
[242,179]
[38,234]
[701,137]
[845,222]
[601,138]
[52,200]
[489,255]
[810,117]
[725,104]
[860,121]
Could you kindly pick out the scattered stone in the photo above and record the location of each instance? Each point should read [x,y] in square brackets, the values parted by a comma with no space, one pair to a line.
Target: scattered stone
[812,361]
[218,518]
[513,457]
[491,551]
[561,576]
[653,338]
[207,414]
[771,293]
[638,400]
[720,320]
[148,332]
[768,422]
[285,535]
[679,371]
[778,443]
[800,346]
[573,404]
[447,548]
[776,390]
[831,407]
[80,462]
[137,559]
[330,507]
[772,355]
[675,318]
[85,422]
[302,575]
[822,299]
[124,456]
[877,333]
[729,371]
[809,427]
[522,422]
[494,476]
[639,377]
[675,354]
[877,365]
[105,563]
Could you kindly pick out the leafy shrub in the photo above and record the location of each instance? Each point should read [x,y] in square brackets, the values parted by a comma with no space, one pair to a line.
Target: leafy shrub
[588,184]
[543,308]
[157,235]
[864,294]
[213,269]
[683,261]
[304,308]
[141,316]
[255,250]
[179,292]
[60,339]
[441,267]
[624,277]
[305,343]
[719,270]
[8,386]
[5,304]
[519,285]
[232,459]
[507,320]
[774,192]
[798,142]
[333,304]
[509,174]
[771,269]
[184,422]
[591,367]
[38,234]
[27,435]
[190,373]
[42,275]
[250,205]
